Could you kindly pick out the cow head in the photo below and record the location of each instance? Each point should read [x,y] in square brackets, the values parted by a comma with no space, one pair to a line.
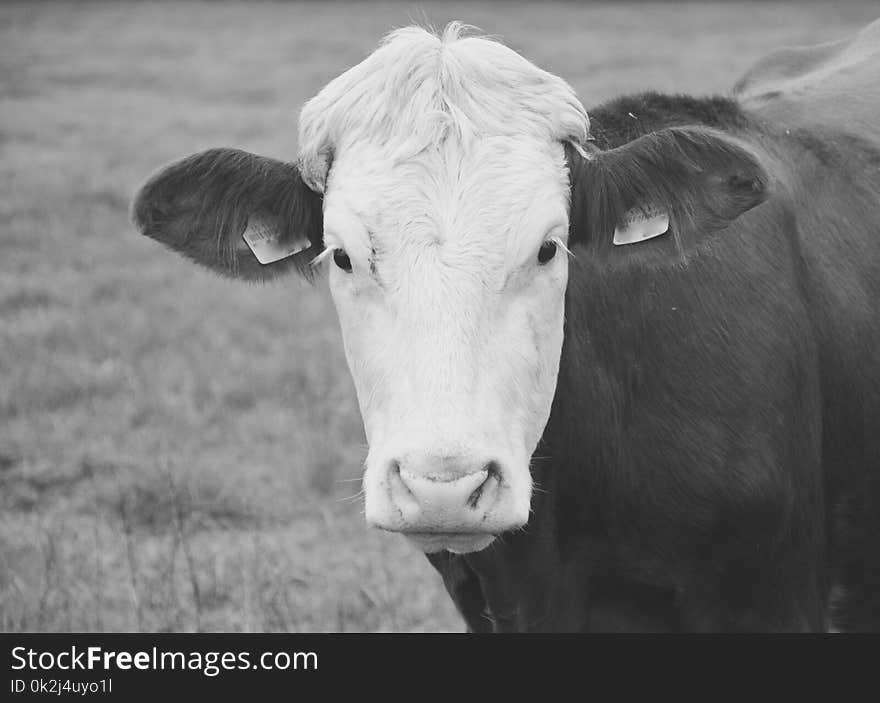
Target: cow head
[434,184]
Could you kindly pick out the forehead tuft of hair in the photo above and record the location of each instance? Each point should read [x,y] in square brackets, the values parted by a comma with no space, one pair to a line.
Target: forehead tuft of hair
[419,89]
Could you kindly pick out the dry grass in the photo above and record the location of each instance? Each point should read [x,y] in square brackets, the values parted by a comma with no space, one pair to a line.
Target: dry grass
[176,450]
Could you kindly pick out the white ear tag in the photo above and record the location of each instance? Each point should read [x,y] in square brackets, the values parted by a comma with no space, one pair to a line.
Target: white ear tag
[262,238]
[637,228]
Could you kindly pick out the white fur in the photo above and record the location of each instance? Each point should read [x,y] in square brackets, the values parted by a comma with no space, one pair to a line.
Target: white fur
[417,88]
[447,176]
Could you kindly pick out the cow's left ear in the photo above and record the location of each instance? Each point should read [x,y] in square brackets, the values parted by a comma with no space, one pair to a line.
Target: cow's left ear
[663,193]
[237,213]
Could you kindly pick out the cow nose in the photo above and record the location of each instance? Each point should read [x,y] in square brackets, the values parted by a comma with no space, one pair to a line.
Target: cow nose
[454,491]
[421,494]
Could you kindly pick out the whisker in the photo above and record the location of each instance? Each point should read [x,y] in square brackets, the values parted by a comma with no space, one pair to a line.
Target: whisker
[322,257]
[350,499]
[562,246]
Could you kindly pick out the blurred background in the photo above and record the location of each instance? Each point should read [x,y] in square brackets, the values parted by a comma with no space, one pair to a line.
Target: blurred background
[180,452]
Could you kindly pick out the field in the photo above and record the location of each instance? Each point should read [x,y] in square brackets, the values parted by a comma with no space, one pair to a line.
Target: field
[180,452]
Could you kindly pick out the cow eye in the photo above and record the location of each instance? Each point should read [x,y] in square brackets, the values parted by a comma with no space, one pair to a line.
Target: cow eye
[340,258]
[547,251]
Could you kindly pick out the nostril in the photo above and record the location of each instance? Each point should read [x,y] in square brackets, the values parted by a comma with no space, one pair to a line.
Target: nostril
[396,480]
[493,477]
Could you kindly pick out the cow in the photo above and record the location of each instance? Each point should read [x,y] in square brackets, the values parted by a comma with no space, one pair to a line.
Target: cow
[618,370]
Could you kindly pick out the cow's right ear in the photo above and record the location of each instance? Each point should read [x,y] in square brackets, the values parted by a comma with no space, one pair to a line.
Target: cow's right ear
[236,213]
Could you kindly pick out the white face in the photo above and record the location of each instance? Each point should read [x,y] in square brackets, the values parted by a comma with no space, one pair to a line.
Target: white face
[452,317]
[448,201]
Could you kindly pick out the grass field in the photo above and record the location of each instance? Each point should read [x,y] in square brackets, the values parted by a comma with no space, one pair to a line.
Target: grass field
[179,452]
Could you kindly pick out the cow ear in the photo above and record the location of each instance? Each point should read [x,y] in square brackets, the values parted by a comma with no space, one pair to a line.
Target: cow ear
[662,194]
[237,213]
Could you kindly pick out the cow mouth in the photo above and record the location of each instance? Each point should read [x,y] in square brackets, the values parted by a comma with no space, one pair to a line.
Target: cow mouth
[456,542]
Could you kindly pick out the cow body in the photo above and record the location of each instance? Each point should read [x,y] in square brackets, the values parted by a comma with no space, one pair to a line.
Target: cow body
[676,428]
[712,459]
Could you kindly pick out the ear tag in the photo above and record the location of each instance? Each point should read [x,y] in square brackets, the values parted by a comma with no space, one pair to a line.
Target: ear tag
[262,238]
[637,228]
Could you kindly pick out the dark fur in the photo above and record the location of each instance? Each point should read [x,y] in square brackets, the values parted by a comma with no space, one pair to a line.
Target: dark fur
[629,117]
[200,206]
[714,443]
